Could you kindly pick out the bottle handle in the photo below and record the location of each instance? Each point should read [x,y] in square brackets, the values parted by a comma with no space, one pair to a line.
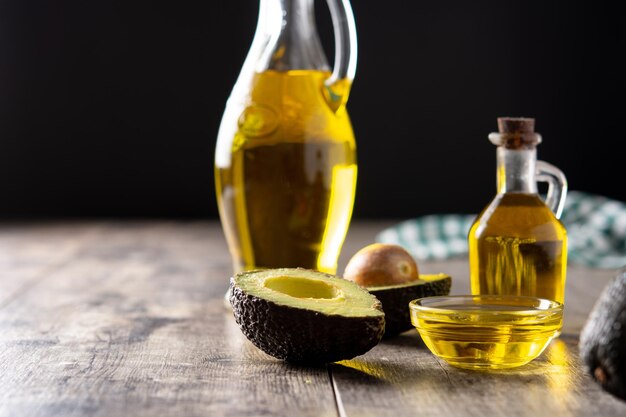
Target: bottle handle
[557,186]
[338,84]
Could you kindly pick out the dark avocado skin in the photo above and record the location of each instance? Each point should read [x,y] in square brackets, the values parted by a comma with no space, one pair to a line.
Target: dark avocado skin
[603,338]
[303,336]
[395,302]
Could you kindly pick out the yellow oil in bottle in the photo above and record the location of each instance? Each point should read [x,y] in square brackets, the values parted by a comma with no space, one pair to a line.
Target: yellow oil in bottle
[286,186]
[518,247]
[488,336]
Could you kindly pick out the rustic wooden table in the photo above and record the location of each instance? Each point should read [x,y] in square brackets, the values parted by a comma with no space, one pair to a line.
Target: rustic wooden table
[126,319]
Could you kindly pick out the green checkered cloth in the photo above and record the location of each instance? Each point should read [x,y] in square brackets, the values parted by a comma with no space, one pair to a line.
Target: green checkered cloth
[596,228]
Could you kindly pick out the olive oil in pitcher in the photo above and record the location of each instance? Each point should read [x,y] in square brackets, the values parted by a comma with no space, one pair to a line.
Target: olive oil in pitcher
[285,159]
[286,197]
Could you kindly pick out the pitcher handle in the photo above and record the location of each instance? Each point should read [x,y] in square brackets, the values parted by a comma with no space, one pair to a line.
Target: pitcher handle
[557,186]
[338,84]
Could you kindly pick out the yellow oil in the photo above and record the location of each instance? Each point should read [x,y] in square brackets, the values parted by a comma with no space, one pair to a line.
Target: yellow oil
[518,247]
[286,187]
[511,338]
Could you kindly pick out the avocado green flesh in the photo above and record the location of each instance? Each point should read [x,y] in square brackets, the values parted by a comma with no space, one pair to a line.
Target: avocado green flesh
[423,279]
[302,287]
[311,290]
[395,299]
[306,316]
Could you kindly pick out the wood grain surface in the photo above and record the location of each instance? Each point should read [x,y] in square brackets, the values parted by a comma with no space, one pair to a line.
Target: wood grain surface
[127,319]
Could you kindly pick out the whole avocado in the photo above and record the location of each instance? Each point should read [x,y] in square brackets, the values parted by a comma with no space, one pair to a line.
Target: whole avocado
[603,338]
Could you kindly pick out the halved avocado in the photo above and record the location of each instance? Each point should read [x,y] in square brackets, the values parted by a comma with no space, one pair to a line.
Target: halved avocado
[396,298]
[306,316]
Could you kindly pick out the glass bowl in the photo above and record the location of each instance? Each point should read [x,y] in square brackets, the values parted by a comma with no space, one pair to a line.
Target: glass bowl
[486,331]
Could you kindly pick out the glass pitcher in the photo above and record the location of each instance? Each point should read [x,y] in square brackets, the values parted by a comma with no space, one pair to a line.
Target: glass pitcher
[517,245]
[285,159]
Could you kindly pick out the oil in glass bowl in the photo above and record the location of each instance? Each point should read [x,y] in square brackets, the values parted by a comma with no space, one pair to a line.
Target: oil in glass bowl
[486,331]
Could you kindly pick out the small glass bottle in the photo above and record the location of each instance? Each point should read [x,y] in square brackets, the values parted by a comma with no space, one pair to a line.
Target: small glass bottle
[517,245]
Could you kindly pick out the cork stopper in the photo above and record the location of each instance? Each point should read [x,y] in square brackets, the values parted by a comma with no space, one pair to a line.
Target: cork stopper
[516,133]
[516,125]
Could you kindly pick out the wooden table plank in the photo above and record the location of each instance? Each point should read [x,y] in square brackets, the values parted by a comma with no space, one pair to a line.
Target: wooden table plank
[126,318]
[402,378]
[134,325]
[29,252]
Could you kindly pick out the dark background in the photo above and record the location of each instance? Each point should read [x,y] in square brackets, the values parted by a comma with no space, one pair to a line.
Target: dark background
[112,109]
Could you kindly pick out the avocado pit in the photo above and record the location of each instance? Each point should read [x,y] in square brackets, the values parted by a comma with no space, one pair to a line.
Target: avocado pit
[381,264]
